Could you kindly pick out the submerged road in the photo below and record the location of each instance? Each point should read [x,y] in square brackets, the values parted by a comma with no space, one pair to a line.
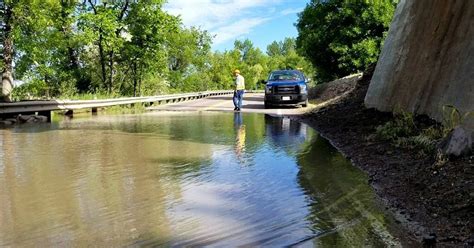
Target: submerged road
[253,103]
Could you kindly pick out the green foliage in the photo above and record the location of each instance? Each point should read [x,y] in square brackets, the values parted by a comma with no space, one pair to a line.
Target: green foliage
[402,125]
[342,37]
[423,144]
[85,49]
[452,117]
[403,132]
[126,109]
[33,90]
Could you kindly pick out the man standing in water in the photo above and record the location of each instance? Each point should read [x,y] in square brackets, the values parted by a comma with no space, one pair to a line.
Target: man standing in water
[239,87]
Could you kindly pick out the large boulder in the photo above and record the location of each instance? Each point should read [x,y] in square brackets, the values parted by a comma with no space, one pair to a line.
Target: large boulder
[427,60]
[458,142]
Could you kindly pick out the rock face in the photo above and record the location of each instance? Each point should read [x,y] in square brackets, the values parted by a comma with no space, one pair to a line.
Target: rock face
[427,60]
[458,142]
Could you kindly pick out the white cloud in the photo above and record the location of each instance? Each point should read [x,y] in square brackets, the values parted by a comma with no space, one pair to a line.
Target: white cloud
[291,11]
[226,19]
[211,13]
[236,29]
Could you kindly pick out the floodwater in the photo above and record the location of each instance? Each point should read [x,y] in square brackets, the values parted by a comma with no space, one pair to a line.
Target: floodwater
[175,179]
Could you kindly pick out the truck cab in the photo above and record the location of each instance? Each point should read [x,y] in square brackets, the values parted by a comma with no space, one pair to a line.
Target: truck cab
[286,88]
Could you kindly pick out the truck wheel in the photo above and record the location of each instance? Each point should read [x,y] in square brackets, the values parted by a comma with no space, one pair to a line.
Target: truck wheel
[305,104]
[267,106]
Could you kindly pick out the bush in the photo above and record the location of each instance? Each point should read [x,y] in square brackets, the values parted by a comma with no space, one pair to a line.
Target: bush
[36,89]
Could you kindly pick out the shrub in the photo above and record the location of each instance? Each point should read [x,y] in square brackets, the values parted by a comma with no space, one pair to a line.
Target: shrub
[403,125]
[403,132]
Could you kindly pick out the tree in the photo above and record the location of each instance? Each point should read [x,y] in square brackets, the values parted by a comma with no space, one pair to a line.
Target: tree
[149,28]
[49,48]
[342,37]
[188,59]
[281,48]
[252,62]
[8,23]
[106,20]
[283,55]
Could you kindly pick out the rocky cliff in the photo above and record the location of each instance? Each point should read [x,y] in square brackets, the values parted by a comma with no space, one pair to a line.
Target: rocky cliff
[427,61]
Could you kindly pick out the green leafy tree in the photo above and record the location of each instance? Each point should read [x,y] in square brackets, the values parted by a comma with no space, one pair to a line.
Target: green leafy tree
[188,59]
[342,37]
[252,63]
[49,48]
[145,53]
[221,68]
[104,20]
[283,55]
[281,48]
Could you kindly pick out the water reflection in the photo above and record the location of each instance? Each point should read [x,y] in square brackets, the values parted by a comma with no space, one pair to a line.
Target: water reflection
[172,180]
[240,135]
[283,133]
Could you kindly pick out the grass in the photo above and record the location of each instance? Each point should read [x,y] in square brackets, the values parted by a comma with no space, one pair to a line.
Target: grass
[404,132]
[136,108]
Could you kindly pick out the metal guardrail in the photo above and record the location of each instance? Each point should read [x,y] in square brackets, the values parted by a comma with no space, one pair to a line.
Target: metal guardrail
[50,105]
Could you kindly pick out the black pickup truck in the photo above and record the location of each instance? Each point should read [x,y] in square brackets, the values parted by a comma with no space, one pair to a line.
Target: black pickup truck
[286,88]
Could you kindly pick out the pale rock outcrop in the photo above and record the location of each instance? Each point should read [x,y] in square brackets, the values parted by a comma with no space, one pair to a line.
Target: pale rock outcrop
[458,142]
[427,60]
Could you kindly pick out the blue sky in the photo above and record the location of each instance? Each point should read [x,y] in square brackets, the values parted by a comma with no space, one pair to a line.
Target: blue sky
[261,21]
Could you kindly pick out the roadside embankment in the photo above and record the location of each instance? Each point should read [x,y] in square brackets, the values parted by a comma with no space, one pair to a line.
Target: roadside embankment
[435,203]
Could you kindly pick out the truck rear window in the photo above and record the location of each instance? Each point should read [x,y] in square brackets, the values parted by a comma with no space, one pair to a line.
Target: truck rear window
[285,76]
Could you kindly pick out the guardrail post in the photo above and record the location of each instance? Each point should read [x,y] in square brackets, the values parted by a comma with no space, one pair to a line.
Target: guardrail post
[94,111]
[47,114]
[69,113]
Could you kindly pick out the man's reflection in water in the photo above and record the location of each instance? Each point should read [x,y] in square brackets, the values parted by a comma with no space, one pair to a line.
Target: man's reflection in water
[240,135]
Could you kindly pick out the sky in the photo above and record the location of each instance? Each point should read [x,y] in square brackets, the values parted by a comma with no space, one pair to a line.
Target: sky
[261,21]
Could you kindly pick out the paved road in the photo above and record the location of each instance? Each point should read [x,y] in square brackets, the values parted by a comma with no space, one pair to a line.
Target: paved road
[253,103]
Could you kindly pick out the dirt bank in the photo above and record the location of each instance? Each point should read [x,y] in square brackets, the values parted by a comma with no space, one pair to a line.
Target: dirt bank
[435,204]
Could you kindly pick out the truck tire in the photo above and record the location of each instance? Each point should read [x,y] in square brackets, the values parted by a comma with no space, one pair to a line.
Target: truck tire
[305,104]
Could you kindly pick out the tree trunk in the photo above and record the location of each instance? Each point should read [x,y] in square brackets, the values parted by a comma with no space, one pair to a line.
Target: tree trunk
[102,58]
[134,72]
[140,86]
[7,74]
[66,29]
[101,45]
[111,73]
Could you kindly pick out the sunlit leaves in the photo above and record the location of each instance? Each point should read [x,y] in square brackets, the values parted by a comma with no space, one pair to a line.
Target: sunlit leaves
[343,37]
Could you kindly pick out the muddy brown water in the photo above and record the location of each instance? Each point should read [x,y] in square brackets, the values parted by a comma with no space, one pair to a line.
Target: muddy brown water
[175,179]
